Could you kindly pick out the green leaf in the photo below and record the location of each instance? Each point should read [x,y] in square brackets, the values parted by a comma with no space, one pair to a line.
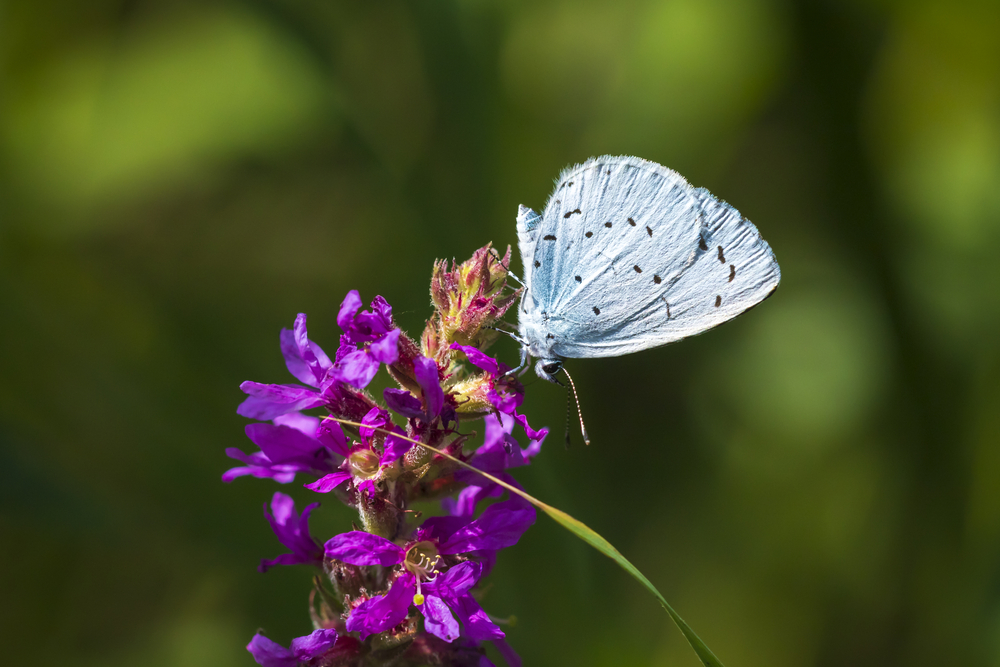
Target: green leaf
[589,536]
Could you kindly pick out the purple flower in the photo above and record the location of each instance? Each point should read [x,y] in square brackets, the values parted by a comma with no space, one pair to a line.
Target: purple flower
[303,649]
[506,393]
[431,577]
[306,361]
[498,453]
[293,532]
[363,463]
[433,405]
[293,443]
[371,329]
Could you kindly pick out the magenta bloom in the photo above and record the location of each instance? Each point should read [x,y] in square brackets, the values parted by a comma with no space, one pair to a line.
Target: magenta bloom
[293,443]
[303,649]
[438,585]
[306,361]
[293,532]
[506,393]
[498,453]
[432,404]
[362,463]
[373,331]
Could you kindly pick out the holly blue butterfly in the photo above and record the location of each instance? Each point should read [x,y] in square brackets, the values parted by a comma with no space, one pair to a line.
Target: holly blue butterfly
[626,256]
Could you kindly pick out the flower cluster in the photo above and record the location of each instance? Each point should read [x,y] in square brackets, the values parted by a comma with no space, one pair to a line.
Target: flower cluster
[394,592]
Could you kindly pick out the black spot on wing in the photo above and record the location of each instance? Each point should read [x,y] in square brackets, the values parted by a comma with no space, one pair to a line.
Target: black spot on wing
[637,269]
[589,234]
[569,213]
[537,264]
[608,225]
[718,301]
[657,279]
[732,272]
[578,279]
[597,311]
[649,231]
[631,222]
[722,258]
[701,243]
[549,237]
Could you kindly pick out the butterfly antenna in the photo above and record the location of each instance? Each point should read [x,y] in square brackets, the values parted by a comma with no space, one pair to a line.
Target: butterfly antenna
[568,408]
[579,412]
[496,256]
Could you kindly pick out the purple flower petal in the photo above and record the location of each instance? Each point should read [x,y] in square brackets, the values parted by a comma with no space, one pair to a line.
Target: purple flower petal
[386,350]
[369,325]
[532,434]
[261,467]
[440,528]
[477,358]
[381,309]
[403,402]
[358,620]
[391,609]
[293,358]
[499,527]
[375,418]
[311,353]
[292,531]
[300,422]
[356,368]
[477,623]
[331,434]
[509,655]
[455,582]
[350,306]
[394,448]
[504,397]
[438,619]
[328,483]
[268,401]
[283,444]
[361,548]
[313,645]
[469,497]
[270,654]
[304,359]
[426,372]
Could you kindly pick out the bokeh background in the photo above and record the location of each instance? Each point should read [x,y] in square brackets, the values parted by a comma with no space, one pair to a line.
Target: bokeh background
[816,483]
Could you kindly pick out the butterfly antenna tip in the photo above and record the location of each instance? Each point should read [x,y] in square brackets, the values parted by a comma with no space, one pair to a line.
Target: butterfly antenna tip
[579,412]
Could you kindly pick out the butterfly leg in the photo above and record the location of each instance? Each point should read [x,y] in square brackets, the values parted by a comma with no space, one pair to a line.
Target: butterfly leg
[523,365]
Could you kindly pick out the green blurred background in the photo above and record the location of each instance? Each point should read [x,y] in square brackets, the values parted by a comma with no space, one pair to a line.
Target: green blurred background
[816,483]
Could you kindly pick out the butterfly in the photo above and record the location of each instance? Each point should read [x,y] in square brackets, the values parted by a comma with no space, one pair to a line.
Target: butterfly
[627,255]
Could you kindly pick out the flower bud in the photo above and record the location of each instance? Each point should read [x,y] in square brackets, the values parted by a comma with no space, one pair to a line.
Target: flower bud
[467,298]
[379,516]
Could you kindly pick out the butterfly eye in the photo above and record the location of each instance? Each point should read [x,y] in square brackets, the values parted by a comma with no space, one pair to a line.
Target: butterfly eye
[552,368]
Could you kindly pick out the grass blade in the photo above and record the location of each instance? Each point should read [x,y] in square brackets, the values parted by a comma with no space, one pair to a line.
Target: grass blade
[586,534]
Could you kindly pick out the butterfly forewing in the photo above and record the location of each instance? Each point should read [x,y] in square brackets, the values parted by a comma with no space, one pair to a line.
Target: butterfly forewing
[627,257]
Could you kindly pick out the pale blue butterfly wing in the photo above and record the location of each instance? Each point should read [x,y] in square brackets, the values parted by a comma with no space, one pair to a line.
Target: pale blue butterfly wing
[627,257]
[528,222]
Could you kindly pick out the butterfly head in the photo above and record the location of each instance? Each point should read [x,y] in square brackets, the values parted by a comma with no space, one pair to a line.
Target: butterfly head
[548,368]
